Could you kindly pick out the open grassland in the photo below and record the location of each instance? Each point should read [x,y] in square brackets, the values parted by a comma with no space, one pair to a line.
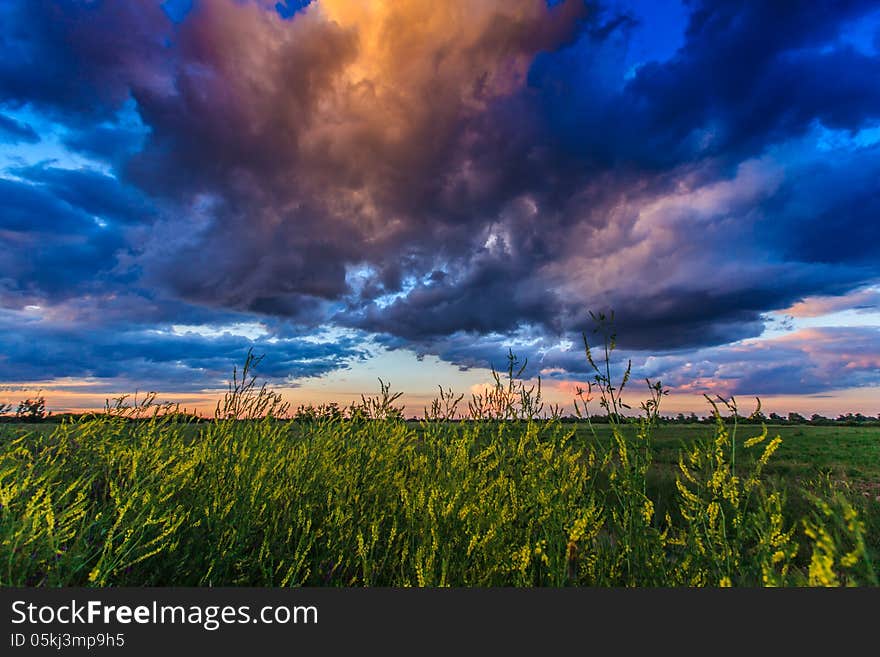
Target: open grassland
[143,495]
[110,501]
[846,453]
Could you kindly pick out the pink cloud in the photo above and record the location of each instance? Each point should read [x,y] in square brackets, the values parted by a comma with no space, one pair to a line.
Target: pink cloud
[824,305]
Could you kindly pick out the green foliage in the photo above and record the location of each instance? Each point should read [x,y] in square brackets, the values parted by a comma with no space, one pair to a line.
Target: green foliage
[144,495]
[31,410]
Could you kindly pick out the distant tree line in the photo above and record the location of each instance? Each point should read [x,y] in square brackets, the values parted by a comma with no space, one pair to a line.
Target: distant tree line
[28,410]
[34,410]
[844,419]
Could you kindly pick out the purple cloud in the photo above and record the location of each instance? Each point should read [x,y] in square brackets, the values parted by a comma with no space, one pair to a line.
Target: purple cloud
[435,174]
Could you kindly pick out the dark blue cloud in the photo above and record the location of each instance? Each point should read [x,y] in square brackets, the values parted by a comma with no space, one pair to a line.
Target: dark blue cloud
[113,143]
[830,211]
[29,208]
[492,295]
[12,131]
[156,358]
[79,61]
[809,361]
[507,175]
[802,362]
[747,75]
[58,248]
[93,193]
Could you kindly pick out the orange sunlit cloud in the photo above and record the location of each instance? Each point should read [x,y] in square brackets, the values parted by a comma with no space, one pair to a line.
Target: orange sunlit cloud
[818,306]
[326,182]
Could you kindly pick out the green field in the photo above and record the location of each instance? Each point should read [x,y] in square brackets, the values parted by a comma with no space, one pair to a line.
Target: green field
[849,453]
[367,502]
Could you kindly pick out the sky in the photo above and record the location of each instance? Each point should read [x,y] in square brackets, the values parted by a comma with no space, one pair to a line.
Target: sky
[410,189]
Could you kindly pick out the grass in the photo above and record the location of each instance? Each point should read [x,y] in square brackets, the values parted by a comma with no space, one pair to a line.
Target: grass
[847,453]
[141,495]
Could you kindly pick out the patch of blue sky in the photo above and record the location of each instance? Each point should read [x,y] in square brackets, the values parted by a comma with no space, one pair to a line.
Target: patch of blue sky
[357,276]
[859,316]
[52,147]
[659,34]
[819,141]
[329,333]
[387,299]
[409,284]
[417,376]
[830,139]
[853,318]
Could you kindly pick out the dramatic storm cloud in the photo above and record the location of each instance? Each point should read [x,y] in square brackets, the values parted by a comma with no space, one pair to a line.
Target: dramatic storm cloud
[446,178]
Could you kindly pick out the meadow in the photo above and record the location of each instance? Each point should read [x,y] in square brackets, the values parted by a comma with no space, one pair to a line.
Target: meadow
[144,495]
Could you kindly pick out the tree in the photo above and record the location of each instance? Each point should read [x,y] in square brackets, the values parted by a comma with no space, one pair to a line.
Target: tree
[32,410]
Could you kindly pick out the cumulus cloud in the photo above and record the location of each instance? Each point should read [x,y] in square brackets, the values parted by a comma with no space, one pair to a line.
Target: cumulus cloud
[34,348]
[805,361]
[867,300]
[440,173]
